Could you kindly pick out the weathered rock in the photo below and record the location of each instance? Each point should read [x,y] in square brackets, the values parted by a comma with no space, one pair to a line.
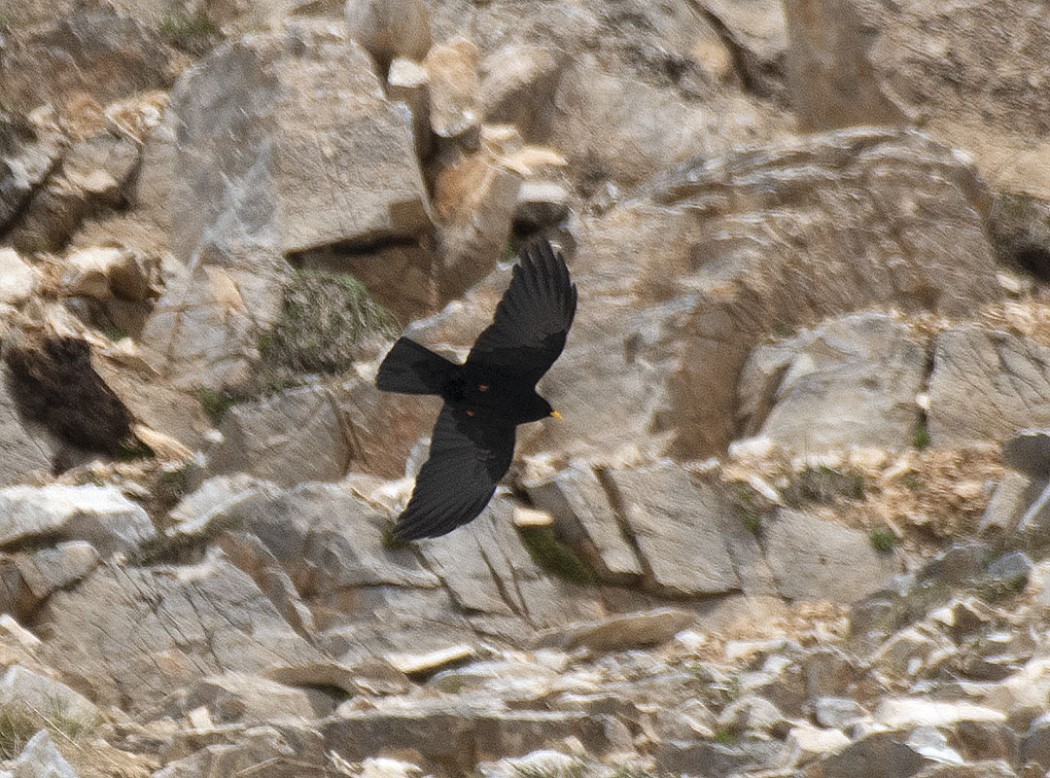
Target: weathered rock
[586,519]
[97,54]
[54,568]
[18,280]
[811,557]
[168,411]
[837,712]
[291,437]
[238,697]
[518,82]
[40,759]
[620,632]
[474,199]
[753,715]
[540,204]
[24,446]
[409,83]
[423,664]
[691,538]
[1035,745]
[306,104]
[707,266]
[1029,452]
[715,759]
[100,515]
[513,681]
[371,677]
[453,737]
[25,166]
[858,63]
[806,743]
[453,73]
[878,755]
[106,272]
[985,769]
[1014,496]
[91,175]
[909,712]
[489,573]
[388,29]
[851,382]
[986,384]
[27,693]
[134,635]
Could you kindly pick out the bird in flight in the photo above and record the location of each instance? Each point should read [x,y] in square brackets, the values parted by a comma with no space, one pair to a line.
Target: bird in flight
[486,397]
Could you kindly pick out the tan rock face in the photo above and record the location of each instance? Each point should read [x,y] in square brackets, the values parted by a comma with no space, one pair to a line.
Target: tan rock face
[281,170]
[388,29]
[90,53]
[945,67]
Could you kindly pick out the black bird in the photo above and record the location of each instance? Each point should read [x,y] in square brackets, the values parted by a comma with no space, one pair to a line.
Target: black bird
[486,397]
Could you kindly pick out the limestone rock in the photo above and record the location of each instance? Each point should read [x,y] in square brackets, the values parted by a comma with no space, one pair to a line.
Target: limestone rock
[859,63]
[620,632]
[40,759]
[18,280]
[24,447]
[716,759]
[488,572]
[305,103]
[518,85]
[806,743]
[95,54]
[986,385]
[388,29]
[851,382]
[706,269]
[102,273]
[692,539]
[811,557]
[291,437]
[475,199]
[100,515]
[24,164]
[409,83]
[54,568]
[137,634]
[240,697]
[540,204]
[586,519]
[1029,452]
[92,174]
[879,755]
[30,693]
[453,74]
[907,713]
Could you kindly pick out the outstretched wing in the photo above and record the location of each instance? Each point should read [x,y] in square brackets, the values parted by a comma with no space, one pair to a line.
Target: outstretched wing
[468,457]
[528,331]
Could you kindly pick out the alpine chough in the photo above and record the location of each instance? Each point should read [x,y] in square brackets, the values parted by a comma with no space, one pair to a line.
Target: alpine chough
[486,397]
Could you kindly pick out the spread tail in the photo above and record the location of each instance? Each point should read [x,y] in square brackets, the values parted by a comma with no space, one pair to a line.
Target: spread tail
[413,369]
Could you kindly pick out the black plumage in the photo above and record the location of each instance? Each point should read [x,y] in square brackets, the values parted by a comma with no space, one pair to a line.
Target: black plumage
[486,397]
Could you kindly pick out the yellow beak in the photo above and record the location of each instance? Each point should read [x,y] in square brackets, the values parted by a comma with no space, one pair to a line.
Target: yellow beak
[556,415]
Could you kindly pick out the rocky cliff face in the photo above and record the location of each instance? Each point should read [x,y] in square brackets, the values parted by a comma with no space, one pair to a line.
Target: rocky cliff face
[793,521]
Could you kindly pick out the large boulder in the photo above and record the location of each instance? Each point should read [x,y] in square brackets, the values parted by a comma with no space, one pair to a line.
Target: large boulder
[260,126]
[987,385]
[131,636]
[853,381]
